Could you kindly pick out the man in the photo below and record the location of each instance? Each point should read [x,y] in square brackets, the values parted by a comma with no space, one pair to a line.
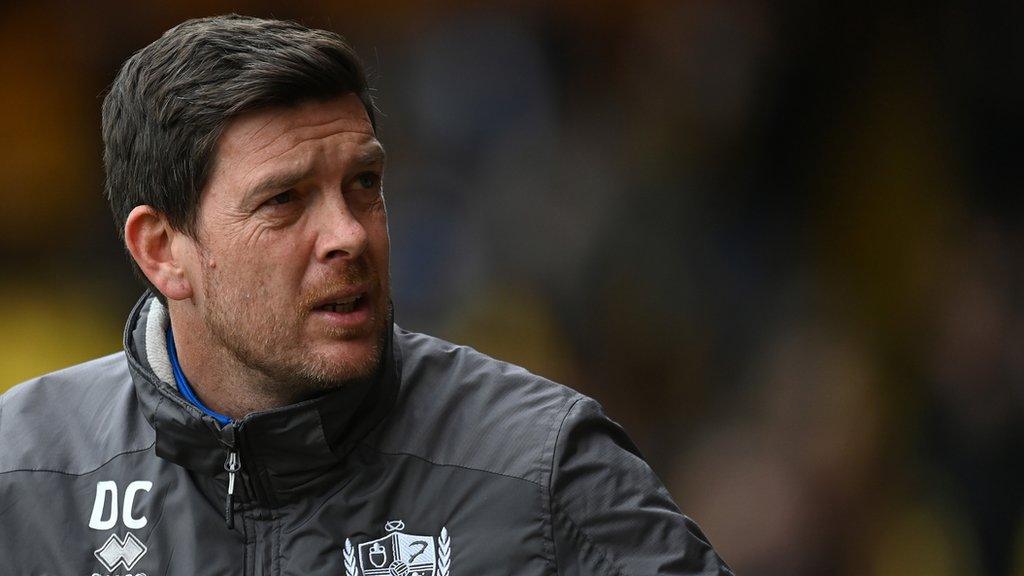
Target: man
[267,416]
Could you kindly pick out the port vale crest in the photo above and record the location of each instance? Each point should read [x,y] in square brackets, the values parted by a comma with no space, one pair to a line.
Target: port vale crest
[400,554]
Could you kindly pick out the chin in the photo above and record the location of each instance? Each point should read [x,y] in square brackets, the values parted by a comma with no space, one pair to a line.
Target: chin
[349,360]
[342,355]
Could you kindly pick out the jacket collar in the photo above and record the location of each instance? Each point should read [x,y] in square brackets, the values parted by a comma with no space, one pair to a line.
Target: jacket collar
[289,446]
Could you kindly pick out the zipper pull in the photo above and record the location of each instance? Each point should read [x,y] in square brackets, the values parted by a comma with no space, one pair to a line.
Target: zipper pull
[232,465]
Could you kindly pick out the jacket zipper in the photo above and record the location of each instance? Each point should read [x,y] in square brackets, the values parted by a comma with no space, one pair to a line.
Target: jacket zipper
[233,465]
[242,480]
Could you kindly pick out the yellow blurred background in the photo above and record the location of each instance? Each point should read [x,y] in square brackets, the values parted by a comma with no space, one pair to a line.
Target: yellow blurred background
[779,241]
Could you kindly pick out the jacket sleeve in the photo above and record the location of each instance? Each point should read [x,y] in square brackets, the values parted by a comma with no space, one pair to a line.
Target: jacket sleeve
[610,515]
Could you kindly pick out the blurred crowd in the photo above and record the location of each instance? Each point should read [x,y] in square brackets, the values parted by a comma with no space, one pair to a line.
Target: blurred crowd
[779,242]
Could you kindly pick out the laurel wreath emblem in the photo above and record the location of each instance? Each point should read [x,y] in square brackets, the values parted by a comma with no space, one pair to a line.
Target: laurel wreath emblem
[351,569]
[444,553]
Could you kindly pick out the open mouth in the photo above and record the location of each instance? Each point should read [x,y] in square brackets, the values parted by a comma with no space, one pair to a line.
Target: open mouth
[345,305]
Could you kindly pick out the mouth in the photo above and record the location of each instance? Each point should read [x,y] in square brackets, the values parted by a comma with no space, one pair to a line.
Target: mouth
[344,305]
[349,310]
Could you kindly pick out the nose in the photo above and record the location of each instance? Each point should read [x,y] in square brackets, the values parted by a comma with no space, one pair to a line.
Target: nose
[340,233]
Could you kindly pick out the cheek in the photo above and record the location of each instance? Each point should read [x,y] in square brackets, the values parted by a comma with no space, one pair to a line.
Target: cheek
[273,256]
[241,276]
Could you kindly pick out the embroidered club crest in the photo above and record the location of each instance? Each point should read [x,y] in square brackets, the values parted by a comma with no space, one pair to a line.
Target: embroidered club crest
[400,554]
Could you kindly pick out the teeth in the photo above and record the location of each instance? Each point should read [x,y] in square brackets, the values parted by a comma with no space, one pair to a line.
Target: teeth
[343,306]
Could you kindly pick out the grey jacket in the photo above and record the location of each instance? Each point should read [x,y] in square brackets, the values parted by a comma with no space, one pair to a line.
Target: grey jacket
[451,464]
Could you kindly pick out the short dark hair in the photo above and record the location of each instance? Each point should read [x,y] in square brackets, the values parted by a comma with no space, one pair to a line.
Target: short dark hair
[165,111]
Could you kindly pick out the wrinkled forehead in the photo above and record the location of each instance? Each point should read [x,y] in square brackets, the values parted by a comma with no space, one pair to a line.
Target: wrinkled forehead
[273,131]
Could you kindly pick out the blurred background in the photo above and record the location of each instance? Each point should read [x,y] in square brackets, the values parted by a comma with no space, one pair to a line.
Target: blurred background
[779,241]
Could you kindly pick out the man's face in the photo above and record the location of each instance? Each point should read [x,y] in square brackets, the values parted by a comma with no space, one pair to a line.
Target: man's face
[292,250]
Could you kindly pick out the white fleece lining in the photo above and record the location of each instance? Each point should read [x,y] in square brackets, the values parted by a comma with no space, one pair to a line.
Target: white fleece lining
[156,342]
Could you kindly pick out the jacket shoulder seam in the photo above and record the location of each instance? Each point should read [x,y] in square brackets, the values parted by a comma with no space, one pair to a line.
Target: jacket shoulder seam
[553,435]
[452,465]
[590,543]
[66,473]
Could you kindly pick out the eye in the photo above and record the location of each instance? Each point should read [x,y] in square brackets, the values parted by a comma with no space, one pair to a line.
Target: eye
[368,180]
[282,198]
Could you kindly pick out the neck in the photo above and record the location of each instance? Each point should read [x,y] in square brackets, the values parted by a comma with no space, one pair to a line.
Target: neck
[220,380]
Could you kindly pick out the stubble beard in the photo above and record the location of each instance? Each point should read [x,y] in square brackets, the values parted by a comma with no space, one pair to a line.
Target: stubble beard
[263,338]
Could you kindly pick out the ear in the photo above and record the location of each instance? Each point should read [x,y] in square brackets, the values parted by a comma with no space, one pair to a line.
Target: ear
[157,249]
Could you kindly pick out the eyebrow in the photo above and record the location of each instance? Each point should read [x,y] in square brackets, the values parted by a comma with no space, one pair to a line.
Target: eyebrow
[279,181]
[371,156]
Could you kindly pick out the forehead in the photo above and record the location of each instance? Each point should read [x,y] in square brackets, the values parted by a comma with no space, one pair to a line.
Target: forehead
[255,137]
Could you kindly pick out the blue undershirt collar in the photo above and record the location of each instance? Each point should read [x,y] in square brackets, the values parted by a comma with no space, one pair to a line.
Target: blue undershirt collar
[183,386]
